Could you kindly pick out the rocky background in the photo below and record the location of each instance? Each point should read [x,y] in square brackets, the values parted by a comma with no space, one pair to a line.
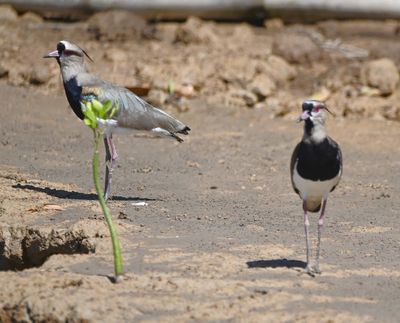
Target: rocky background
[352,65]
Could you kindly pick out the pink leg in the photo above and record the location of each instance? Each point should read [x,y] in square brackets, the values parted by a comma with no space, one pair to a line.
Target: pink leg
[114,155]
[306,229]
[111,161]
[320,227]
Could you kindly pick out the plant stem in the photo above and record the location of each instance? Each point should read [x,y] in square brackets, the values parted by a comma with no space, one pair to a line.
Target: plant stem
[114,237]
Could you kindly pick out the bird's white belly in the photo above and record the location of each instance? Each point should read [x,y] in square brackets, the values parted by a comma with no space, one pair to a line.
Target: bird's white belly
[313,189]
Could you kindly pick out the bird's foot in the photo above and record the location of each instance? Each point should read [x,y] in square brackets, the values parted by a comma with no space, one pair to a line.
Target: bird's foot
[316,269]
[312,270]
[106,192]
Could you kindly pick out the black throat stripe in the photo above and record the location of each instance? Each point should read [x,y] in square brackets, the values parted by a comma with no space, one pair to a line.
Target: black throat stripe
[73,93]
[308,126]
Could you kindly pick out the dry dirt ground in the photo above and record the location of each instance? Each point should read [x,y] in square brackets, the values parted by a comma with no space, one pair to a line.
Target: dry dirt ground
[220,237]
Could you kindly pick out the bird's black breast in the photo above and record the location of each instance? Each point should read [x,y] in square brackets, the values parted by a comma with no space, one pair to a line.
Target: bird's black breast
[318,162]
[73,92]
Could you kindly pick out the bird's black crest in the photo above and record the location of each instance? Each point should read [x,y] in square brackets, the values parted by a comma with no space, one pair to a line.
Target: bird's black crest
[86,54]
[60,47]
[307,106]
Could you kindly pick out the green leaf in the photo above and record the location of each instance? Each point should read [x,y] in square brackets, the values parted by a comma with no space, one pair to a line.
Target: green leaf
[87,109]
[107,105]
[113,112]
[108,112]
[87,122]
[97,107]
[90,115]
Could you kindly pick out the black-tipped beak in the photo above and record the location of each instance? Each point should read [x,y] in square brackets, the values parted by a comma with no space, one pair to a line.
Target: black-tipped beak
[304,116]
[52,55]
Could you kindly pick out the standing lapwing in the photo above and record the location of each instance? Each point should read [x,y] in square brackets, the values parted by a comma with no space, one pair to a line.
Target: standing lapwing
[315,168]
[133,112]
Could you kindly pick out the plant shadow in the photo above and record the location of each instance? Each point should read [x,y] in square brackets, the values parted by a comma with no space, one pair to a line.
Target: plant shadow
[73,195]
[276,263]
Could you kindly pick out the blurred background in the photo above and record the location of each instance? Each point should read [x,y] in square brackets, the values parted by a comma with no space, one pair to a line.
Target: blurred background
[258,54]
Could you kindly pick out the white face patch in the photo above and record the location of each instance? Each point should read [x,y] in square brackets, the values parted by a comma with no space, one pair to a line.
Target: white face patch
[67,45]
[318,133]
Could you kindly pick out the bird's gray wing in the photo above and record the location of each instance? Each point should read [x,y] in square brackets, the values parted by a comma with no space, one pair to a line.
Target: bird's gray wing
[133,112]
[339,158]
[292,165]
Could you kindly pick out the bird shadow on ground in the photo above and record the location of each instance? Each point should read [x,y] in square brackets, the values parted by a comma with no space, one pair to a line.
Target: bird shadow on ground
[276,263]
[72,195]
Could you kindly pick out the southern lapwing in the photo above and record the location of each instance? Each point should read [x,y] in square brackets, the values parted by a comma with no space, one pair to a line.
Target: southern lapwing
[315,168]
[133,112]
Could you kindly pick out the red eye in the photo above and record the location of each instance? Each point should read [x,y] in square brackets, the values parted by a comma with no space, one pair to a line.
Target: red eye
[316,109]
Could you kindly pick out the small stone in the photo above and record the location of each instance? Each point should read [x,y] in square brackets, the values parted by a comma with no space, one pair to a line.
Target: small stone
[7,13]
[3,72]
[277,107]
[262,86]
[278,69]
[322,94]
[381,74]
[181,104]
[195,30]
[122,216]
[260,106]
[296,48]
[185,90]
[157,97]
[31,17]
[116,25]
[273,24]
[248,97]
[39,75]
[242,31]
[238,70]
[165,32]
[370,107]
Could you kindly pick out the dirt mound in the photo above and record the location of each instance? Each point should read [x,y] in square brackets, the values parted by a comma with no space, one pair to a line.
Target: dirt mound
[116,25]
[22,247]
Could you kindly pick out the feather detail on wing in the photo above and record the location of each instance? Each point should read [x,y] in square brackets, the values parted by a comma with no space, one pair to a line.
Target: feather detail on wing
[91,90]
[133,112]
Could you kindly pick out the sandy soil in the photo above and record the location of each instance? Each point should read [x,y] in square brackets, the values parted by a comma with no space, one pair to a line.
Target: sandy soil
[221,237]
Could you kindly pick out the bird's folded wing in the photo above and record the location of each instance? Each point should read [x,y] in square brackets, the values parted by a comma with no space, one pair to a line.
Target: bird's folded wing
[133,112]
[292,165]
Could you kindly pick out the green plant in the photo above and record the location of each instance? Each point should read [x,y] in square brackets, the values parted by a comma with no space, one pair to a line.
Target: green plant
[95,111]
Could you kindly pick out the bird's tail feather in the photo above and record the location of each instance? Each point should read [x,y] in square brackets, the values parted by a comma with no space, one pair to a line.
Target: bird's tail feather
[176,137]
[184,131]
